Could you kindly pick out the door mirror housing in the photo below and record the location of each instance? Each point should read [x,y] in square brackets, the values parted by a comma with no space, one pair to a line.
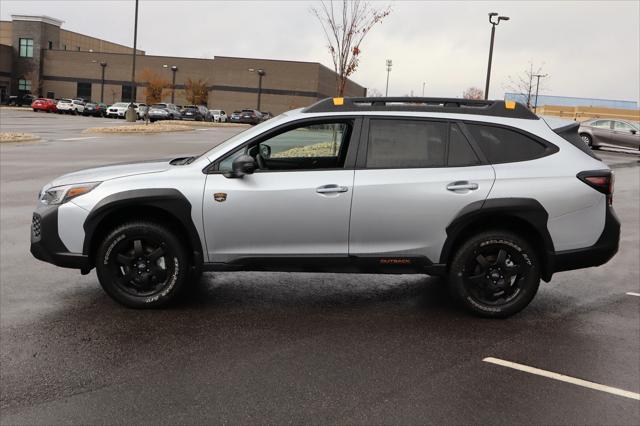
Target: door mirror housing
[243,165]
[634,131]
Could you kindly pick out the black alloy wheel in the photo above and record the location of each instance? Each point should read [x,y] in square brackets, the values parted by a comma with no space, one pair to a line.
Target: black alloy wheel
[142,265]
[495,274]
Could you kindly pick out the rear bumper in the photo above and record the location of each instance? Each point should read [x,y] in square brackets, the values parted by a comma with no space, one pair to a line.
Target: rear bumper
[46,244]
[598,254]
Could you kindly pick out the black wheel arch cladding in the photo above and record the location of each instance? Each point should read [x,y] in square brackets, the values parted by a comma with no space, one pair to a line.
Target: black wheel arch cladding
[480,214]
[168,200]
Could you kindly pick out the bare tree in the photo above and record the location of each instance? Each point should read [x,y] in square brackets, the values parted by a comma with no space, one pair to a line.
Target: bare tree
[473,93]
[155,84]
[345,26]
[196,92]
[525,83]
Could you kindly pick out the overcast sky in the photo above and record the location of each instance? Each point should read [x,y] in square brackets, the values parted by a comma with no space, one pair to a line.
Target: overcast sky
[589,48]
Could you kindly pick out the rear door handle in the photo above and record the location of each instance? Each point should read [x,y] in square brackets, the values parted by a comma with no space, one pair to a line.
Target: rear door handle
[462,185]
[331,189]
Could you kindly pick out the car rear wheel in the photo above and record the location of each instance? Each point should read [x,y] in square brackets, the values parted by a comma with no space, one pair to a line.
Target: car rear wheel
[494,274]
[587,140]
[142,265]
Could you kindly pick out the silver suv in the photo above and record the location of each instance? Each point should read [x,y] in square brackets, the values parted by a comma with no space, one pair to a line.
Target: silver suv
[482,192]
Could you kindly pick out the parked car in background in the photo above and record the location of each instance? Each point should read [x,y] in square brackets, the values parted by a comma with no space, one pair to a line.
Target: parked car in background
[95,109]
[610,132]
[164,111]
[250,116]
[195,112]
[22,99]
[70,106]
[218,115]
[235,116]
[44,104]
[266,115]
[117,110]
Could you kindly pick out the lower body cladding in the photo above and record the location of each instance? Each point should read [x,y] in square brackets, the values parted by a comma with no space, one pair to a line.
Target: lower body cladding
[57,237]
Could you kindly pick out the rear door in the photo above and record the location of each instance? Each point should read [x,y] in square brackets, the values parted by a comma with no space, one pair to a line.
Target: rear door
[413,177]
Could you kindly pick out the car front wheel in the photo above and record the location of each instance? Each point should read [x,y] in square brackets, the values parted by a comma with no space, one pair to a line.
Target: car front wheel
[494,274]
[142,264]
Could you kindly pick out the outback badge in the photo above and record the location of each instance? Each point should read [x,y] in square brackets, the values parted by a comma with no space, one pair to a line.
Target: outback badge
[220,196]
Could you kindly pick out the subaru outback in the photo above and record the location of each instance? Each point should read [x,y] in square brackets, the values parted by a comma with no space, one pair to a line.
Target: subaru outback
[483,193]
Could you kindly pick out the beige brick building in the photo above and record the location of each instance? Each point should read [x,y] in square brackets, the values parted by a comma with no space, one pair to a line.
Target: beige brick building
[37,56]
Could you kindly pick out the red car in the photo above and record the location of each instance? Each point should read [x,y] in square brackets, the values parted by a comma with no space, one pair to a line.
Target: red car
[44,104]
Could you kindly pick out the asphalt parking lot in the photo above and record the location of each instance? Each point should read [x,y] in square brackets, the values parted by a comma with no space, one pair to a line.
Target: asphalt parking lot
[297,348]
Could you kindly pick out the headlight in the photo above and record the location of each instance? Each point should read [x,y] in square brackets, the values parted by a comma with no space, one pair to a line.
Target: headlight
[64,193]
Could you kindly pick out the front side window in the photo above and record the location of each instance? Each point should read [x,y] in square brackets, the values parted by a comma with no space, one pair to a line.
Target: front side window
[622,126]
[308,147]
[406,144]
[24,85]
[26,47]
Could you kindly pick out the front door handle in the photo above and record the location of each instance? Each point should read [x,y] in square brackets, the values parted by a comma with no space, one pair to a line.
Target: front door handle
[462,185]
[331,189]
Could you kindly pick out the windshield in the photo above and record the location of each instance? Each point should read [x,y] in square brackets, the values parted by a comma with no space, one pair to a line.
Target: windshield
[159,106]
[120,105]
[65,101]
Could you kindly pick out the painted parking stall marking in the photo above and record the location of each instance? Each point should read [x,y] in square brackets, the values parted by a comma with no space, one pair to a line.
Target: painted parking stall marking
[563,378]
[631,293]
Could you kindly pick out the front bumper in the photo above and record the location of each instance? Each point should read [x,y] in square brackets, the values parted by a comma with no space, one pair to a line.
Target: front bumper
[598,254]
[46,244]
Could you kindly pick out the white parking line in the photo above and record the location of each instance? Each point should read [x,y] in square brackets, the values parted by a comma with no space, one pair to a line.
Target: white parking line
[202,129]
[79,139]
[631,293]
[563,378]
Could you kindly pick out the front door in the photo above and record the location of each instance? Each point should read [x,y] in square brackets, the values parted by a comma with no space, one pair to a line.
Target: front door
[624,134]
[296,204]
[417,176]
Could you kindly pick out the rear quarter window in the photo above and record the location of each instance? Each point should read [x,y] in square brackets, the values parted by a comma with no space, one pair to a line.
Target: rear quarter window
[502,145]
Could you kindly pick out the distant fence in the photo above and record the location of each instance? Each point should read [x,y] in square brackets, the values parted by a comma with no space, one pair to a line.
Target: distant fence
[582,113]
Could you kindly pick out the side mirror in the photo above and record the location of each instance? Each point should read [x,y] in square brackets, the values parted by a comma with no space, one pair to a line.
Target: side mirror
[243,165]
[634,131]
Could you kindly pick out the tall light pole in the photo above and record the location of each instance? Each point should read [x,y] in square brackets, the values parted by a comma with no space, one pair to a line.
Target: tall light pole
[423,84]
[389,65]
[261,74]
[535,105]
[494,23]
[131,113]
[103,65]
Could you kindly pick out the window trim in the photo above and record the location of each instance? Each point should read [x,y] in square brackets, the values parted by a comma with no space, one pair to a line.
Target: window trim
[349,163]
[549,148]
[27,83]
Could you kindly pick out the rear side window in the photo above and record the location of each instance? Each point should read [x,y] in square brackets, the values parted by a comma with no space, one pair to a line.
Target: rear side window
[502,145]
[406,144]
[460,152]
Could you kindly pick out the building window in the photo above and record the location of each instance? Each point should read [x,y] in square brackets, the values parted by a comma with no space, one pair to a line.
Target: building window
[51,95]
[24,85]
[26,48]
[126,93]
[84,91]
[50,45]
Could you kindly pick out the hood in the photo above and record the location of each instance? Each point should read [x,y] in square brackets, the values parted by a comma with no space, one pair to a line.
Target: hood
[100,174]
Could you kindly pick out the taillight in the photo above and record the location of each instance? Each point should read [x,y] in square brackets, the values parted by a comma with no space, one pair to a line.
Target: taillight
[600,180]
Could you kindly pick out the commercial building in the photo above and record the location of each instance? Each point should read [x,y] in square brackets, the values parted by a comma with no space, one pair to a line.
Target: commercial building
[37,56]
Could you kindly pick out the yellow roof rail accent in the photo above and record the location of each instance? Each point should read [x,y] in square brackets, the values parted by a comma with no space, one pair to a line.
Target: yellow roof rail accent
[510,104]
[338,101]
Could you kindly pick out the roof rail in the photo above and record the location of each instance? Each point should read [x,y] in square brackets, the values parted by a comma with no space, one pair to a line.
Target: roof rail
[508,109]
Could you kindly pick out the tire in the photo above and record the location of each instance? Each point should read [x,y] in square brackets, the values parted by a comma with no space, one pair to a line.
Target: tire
[587,139]
[494,274]
[142,265]
[35,110]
